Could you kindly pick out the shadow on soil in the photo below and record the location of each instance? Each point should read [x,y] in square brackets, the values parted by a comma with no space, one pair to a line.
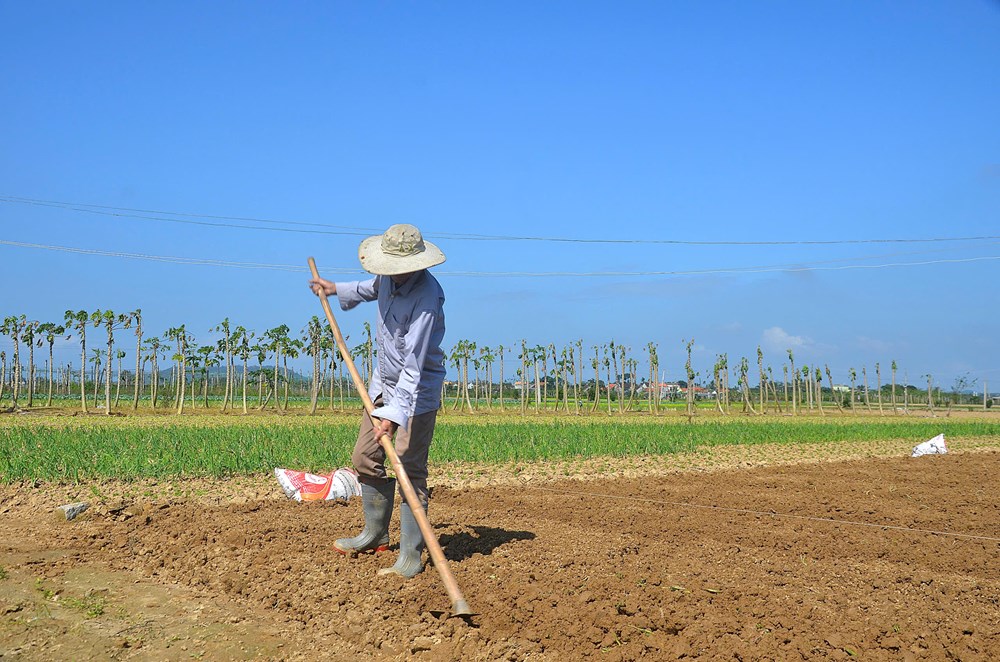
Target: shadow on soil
[480,540]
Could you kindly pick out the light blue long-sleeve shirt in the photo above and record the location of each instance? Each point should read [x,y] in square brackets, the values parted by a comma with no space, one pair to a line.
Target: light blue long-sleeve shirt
[410,329]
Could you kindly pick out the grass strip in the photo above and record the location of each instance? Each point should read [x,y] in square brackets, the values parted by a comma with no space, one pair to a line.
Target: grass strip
[121,451]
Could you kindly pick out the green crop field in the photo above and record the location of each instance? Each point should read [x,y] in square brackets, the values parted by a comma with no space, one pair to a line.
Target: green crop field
[74,449]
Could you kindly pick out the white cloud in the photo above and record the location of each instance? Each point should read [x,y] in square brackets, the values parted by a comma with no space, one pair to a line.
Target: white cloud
[777,339]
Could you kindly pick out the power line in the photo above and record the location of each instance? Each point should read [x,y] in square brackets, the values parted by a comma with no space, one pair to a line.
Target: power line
[705,272]
[210,220]
[169,258]
[81,206]
[798,267]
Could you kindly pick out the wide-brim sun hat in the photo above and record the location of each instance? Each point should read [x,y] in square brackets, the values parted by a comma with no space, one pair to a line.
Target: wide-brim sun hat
[399,250]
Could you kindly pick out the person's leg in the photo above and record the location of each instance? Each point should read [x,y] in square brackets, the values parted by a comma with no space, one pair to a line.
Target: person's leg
[377,494]
[412,448]
[368,457]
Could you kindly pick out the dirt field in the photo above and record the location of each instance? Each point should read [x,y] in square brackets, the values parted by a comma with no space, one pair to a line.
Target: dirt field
[603,568]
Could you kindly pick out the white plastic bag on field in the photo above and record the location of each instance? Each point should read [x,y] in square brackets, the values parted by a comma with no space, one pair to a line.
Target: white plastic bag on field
[304,486]
[933,446]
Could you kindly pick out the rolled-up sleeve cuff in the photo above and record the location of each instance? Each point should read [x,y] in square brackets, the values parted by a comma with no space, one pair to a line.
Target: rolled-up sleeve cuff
[394,414]
[347,295]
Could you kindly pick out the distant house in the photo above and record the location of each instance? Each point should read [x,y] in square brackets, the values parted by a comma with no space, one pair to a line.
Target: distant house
[699,392]
[668,389]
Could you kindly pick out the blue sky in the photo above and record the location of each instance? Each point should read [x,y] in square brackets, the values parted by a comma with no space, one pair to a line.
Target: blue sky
[645,121]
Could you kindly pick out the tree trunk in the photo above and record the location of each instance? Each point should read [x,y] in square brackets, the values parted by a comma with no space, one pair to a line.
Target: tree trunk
[97,380]
[817,379]
[31,371]
[576,357]
[284,364]
[48,402]
[878,377]
[894,387]
[244,386]
[545,381]
[154,381]
[118,384]
[829,379]
[465,375]
[538,385]
[340,384]
[15,369]
[565,384]
[181,376]
[277,364]
[83,369]
[717,376]
[502,379]
[316,376]
[140,376]
[774,394]
[107,375]
[607,367]
[864,377]
[597,381]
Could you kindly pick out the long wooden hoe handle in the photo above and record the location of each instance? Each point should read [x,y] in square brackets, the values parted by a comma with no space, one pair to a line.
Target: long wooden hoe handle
[458,604]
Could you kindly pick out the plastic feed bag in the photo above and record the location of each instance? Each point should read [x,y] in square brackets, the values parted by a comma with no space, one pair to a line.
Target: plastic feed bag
[304,486]
[933,446]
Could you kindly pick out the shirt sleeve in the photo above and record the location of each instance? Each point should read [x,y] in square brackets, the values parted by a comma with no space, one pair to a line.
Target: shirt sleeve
[416,345]
[352,293]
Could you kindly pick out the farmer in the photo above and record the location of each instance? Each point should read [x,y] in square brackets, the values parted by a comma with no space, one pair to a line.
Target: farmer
[405,385]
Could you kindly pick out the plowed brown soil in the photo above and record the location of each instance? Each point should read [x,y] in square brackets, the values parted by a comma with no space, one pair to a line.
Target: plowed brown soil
[658,567]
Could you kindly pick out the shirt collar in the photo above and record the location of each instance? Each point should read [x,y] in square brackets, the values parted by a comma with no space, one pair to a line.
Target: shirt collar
[407,287]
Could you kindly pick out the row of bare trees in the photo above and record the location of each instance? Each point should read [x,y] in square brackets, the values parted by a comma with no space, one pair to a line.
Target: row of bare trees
[242,368]
[191,365]
[542,370]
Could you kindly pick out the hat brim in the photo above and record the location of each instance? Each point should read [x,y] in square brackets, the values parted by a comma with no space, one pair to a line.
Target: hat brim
[376,262]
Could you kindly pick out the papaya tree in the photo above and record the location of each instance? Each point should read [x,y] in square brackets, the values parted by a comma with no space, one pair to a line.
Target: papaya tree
[818,381]
[763,379]
[313,335]
[829,380]
[180,336]
[503,379]
[13,326]
[28,334]
[795,377]
[691,374]
[136,316]
[854,376]
[110,321]
[119,354]
[78,320]
[152,351]
[878,383]
[894,386]
[97,360]
[242,342]
[224,347]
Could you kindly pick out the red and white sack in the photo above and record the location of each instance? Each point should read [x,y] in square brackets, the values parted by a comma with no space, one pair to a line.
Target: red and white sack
[304,486]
